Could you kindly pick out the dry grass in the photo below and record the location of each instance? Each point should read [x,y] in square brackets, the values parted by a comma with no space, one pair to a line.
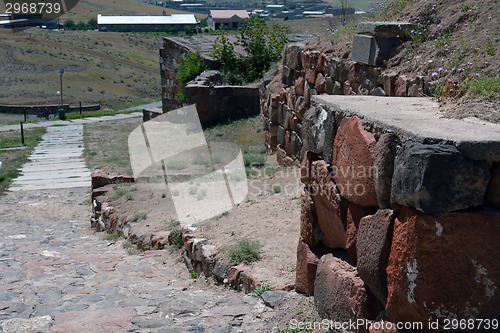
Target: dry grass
[106,145]
[114,69]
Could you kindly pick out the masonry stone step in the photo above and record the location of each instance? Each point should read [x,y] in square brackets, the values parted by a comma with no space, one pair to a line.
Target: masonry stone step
[419,119]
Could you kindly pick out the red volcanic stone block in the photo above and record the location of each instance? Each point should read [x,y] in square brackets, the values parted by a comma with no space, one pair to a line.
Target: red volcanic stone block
[282,97]
[340,294]
[299,86]
[234,274]
[305,166]
[320,84]
[275,100]
[309,227]
[354,75]
[354,214]
[282,157]
[321,63]
[287,142]
[305,60]
[310,76]
[352,169]
[293,122]
[265,111]
[330,206]
[442,266]
[402,86]
[389,81]
[99,179]
[307,263]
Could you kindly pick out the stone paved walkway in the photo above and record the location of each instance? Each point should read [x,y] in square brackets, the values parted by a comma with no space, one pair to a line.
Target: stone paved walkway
[56,162]
[59,276]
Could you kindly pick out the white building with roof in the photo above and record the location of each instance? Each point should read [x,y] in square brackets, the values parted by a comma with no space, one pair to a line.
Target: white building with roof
[145,23]
[226,19]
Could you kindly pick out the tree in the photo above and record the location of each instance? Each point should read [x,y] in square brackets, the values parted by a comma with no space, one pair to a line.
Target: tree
[263,44]
[224,51]
[92,24]
[69,24]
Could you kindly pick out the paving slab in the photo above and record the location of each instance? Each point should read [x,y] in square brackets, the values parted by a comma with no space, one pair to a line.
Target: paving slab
[420,120]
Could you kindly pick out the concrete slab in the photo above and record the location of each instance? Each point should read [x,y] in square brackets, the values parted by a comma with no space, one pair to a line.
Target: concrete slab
[418,119]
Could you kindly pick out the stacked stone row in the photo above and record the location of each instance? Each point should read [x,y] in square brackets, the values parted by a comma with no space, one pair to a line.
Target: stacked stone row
[390,228]
[308,73]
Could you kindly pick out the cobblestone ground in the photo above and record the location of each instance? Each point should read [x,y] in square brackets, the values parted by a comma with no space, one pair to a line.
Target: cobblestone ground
[57,275]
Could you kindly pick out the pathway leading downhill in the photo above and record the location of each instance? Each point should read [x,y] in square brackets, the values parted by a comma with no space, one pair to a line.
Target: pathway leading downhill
[56,162]
[57,275]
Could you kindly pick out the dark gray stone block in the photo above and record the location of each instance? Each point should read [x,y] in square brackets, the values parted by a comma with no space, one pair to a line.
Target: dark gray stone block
[295,145]
[384,155]
[364,50]
[373,247]
[437,178]
[313,129]
[274,298]
[330,133]
[281,135]
[378,92]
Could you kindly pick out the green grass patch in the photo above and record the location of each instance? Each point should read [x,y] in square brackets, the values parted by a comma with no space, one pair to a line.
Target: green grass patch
[244,251]
[113,236]
[485,87]
[176,165]
[13,160]
[257,293]
[138,216]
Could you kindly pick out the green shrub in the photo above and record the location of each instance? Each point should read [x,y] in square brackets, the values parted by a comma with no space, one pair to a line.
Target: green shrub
[190,66]
[176,239]
[277,189]
[245,251]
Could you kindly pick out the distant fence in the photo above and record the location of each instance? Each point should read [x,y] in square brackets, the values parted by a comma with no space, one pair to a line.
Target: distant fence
[46,110]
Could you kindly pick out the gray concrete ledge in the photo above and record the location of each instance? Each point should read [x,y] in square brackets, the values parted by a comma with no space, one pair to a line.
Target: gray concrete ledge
[417,119]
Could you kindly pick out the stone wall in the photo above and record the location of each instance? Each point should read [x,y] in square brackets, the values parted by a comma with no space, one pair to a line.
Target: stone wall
[216,103]
[400,207]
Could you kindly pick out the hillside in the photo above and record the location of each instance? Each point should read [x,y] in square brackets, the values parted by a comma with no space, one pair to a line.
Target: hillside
[115,69]
[456,41]
[87,9]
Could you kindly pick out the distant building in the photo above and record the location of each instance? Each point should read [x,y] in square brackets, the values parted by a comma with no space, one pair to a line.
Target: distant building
[146,23]
[226,19]
[275,9]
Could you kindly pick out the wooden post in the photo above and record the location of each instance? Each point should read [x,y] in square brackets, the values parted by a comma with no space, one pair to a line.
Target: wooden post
[22,133]
[80,108]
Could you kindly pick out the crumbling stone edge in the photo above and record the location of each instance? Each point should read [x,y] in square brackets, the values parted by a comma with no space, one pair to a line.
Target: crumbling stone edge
[198,254]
